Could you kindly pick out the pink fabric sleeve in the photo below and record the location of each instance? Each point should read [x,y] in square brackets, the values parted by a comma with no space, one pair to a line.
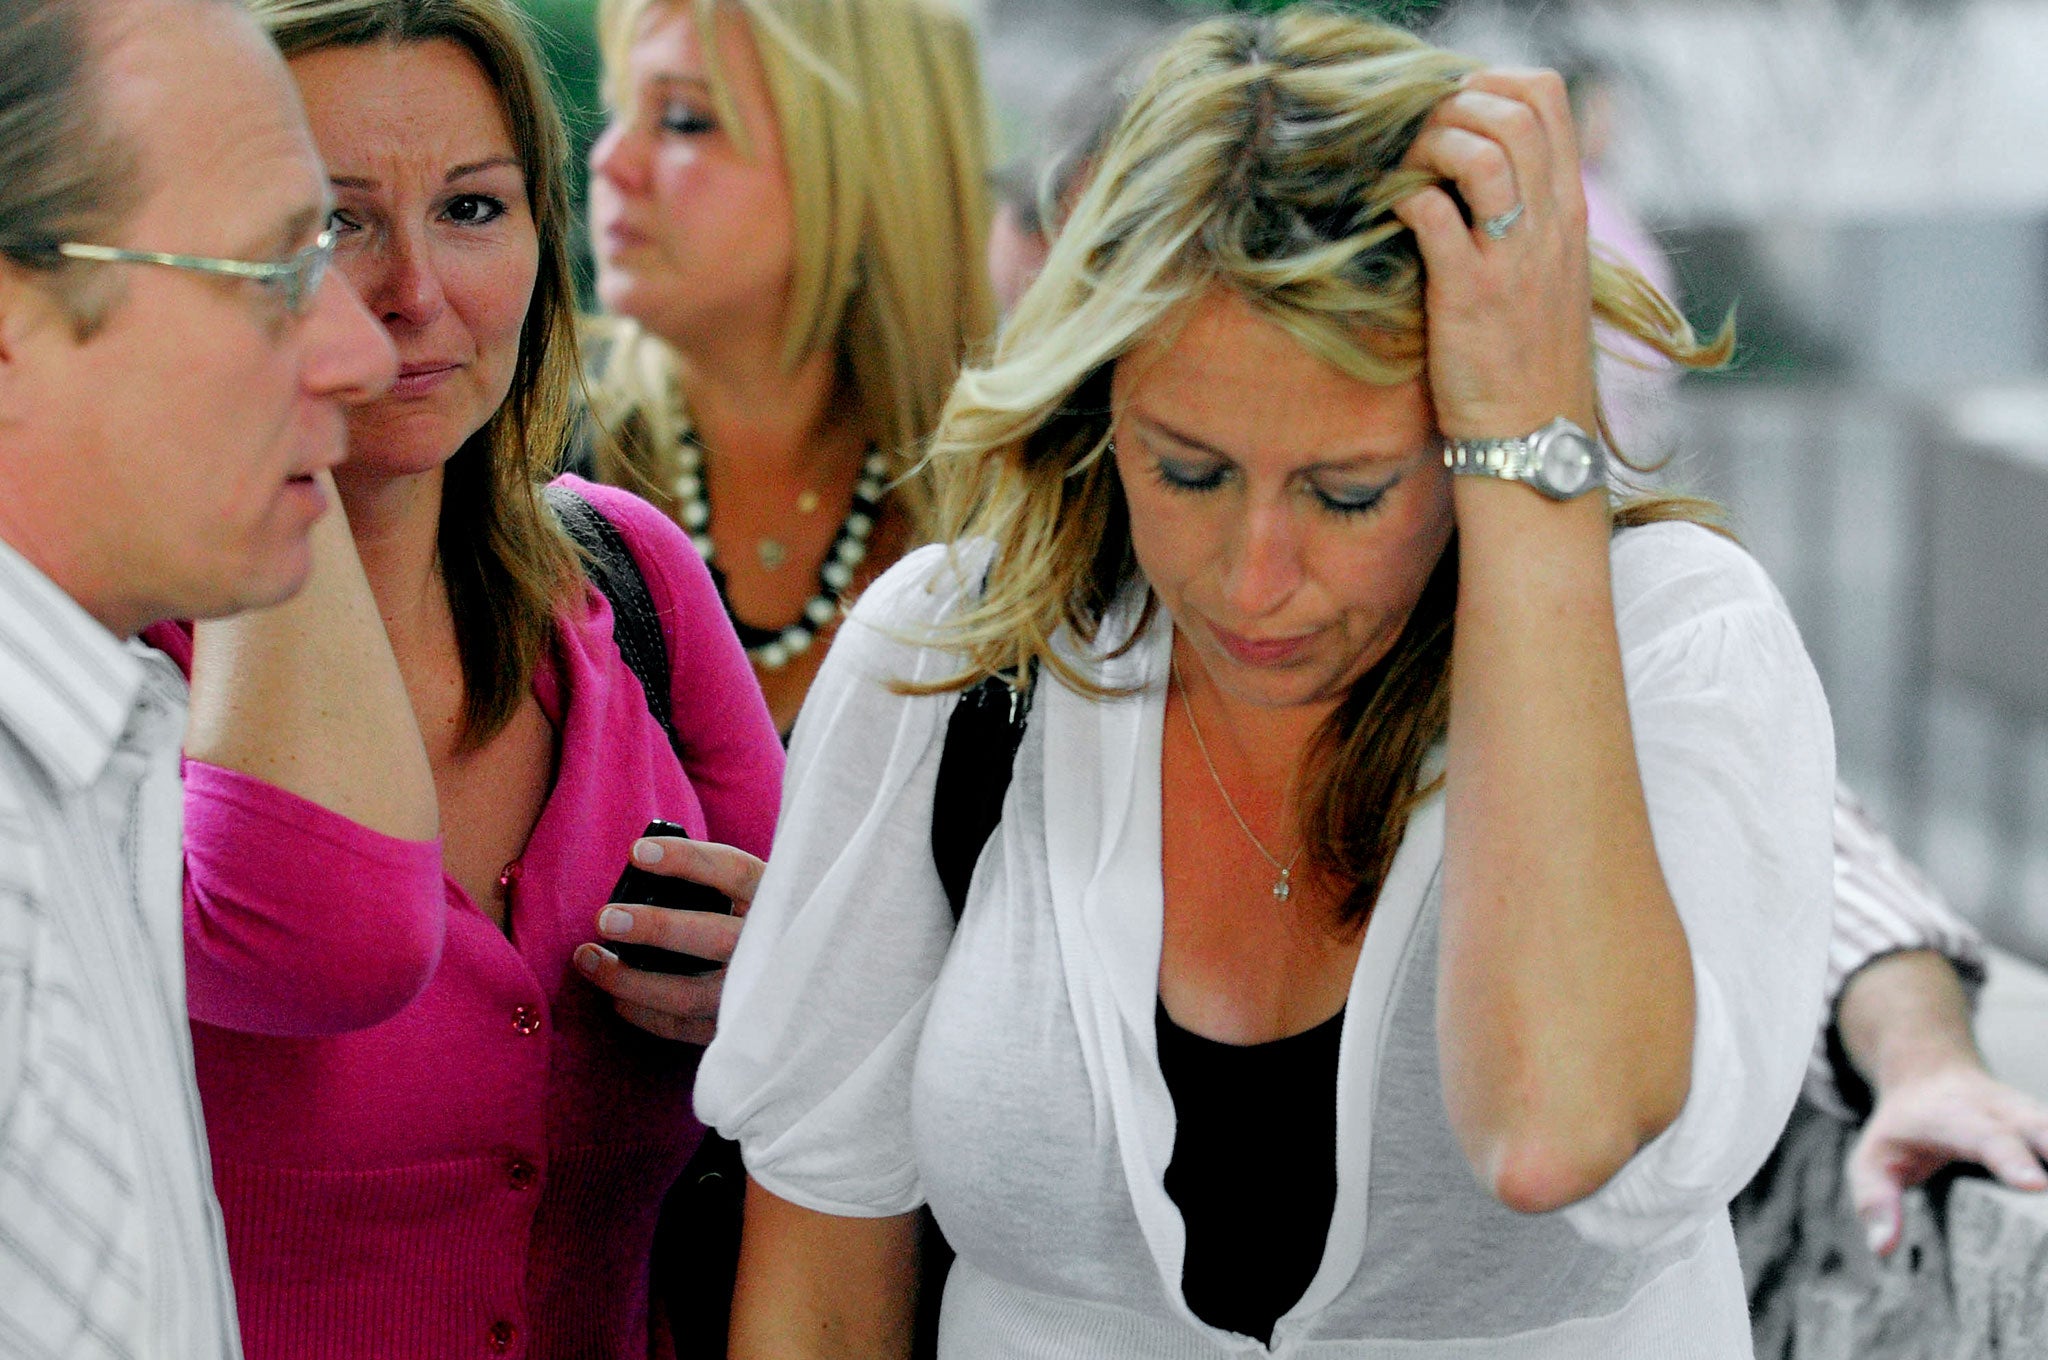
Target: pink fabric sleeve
[298,921]
[730,748]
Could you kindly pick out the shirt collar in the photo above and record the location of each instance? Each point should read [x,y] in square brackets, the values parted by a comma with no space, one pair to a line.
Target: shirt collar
[67,685]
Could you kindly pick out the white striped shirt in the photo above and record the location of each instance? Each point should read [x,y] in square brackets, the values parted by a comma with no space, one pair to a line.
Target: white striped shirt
[110,1240]
[1883,905]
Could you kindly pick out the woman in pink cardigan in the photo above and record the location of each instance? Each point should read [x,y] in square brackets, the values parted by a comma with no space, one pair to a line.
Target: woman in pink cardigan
[442,1117]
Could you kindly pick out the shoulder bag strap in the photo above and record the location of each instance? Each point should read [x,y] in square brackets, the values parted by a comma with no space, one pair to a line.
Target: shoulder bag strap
[975,765]
[695,1257]
[636,625]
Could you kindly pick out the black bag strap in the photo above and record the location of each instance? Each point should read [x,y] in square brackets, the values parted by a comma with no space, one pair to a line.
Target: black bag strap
[975,765]
[636,625]
[697,1235]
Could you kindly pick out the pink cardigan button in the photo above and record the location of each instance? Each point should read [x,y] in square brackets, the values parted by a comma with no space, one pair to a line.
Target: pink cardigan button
[525,1019]
[500,1336]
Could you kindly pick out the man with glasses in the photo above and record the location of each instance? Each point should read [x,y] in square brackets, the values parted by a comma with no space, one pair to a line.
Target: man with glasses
[172,376]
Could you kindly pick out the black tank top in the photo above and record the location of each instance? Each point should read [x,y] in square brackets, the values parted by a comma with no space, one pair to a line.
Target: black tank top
[1254,1168]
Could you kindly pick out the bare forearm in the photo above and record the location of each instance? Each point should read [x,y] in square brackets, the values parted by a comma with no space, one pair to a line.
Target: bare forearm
[816,1286]
[1566,1005]
[307,696]
[1565,998]
[1904,1016]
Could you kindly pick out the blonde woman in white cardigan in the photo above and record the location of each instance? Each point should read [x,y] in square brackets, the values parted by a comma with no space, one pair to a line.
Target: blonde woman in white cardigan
[1409,909]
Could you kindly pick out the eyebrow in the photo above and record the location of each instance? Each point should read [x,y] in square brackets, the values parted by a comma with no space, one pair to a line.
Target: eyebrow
[1346,463]
[455,172]
[478,167]
[670,79]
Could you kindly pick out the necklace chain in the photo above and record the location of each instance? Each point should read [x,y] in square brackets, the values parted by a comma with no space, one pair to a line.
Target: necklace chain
[1283,886]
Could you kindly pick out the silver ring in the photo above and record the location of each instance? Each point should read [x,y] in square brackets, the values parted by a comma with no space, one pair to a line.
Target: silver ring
[1497,227]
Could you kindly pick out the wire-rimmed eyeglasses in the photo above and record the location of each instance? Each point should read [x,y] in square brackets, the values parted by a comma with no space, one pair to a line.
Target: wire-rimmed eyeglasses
[295,280]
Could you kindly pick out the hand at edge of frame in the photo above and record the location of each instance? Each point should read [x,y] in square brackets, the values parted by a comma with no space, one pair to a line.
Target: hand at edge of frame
[1956,1112]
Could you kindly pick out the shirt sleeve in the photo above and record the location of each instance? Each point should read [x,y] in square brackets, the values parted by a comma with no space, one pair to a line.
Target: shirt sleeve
[1736,752]
[1883,905]
[298,921]
[730,748]
[827,993]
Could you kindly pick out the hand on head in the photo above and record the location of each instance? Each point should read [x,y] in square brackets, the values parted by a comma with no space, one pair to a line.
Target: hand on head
[1509,300]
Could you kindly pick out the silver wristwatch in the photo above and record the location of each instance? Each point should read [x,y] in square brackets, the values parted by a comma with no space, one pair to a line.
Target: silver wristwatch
[1560,460]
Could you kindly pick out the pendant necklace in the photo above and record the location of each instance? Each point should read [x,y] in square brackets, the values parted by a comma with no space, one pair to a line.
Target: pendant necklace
[773,648]
[1283,886]
[773,552]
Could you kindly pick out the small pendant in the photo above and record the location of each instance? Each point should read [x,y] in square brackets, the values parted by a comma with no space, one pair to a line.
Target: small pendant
[1282,889]
[806,502]
[772,553]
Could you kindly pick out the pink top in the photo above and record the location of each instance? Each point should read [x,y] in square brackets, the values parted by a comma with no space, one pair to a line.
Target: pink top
[430,1139]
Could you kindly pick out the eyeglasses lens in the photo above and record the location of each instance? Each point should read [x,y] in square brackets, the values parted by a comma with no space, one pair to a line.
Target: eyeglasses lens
[304,282]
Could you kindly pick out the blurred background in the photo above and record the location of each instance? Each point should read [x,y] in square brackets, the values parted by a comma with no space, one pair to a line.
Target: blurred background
[1864,183]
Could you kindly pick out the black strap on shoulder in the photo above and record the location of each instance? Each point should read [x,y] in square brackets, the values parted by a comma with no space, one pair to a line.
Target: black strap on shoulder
[636,626]
[697,1236]
[975,765]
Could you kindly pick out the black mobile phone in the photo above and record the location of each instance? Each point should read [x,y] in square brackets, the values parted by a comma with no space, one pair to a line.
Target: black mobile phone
[646,888]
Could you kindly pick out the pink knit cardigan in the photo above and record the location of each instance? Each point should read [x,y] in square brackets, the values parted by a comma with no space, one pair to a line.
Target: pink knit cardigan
[429,1138]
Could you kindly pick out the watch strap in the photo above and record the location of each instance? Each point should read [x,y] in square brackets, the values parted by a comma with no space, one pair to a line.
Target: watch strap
[1511,460]
[1533,461]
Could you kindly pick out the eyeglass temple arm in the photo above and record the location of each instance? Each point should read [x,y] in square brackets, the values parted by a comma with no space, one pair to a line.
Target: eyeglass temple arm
[248,269]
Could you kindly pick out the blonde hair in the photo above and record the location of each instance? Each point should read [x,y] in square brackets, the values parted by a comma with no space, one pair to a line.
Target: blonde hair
[881,115]
[1263,156]
[506,560]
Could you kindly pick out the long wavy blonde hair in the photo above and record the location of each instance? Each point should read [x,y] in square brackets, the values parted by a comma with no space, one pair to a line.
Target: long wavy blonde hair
[1263,156]
[884,142]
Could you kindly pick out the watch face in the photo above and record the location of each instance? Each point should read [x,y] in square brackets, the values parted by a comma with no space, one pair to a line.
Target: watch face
[1568,463]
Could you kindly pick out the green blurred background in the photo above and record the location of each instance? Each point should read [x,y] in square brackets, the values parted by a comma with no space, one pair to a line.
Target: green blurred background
[568,31]
[568,36]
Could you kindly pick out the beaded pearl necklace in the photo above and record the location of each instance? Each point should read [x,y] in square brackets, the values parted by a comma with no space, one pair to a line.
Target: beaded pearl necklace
[773,648]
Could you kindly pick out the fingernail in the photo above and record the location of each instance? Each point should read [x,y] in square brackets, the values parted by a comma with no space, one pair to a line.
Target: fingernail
[614,921]
[589,957]
[646,852]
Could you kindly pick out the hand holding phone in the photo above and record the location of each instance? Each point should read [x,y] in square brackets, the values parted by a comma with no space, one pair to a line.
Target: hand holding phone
[643,887]
[665,1003]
